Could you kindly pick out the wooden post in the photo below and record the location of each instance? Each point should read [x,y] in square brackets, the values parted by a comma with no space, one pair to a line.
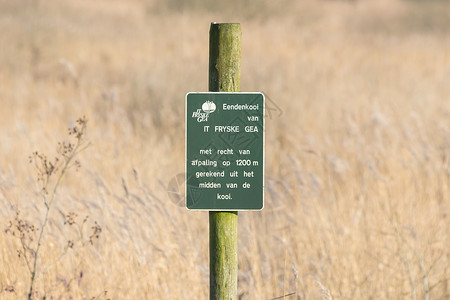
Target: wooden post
[224,76]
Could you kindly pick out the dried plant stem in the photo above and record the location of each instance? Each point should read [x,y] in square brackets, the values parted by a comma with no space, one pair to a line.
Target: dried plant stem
[36,253]
[68,157]
[426,285]
[60,258]
[24,248]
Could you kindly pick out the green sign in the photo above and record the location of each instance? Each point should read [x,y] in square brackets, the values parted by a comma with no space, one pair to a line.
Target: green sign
[225,151]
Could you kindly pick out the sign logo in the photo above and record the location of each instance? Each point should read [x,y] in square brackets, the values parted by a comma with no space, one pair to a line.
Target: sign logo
[207,107]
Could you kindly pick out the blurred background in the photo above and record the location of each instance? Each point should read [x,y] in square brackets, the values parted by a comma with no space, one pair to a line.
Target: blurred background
[357,184]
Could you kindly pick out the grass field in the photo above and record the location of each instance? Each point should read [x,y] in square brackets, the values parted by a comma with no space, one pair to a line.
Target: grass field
[357,184]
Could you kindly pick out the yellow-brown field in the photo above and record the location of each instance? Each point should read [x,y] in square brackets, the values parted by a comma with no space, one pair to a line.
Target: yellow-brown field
[357,187]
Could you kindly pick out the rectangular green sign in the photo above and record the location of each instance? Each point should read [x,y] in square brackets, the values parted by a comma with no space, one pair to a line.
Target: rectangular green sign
[225,151]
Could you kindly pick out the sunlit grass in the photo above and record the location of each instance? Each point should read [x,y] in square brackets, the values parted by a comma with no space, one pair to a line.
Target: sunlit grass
[357,157]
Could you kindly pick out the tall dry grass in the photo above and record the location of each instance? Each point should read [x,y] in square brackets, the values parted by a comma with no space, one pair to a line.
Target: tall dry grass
[357,158]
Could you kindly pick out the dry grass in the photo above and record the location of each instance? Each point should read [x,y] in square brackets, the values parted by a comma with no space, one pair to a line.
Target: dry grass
[358,146]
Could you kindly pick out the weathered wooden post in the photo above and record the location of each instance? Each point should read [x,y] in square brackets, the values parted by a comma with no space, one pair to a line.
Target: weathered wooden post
[224,76]
[224,155]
